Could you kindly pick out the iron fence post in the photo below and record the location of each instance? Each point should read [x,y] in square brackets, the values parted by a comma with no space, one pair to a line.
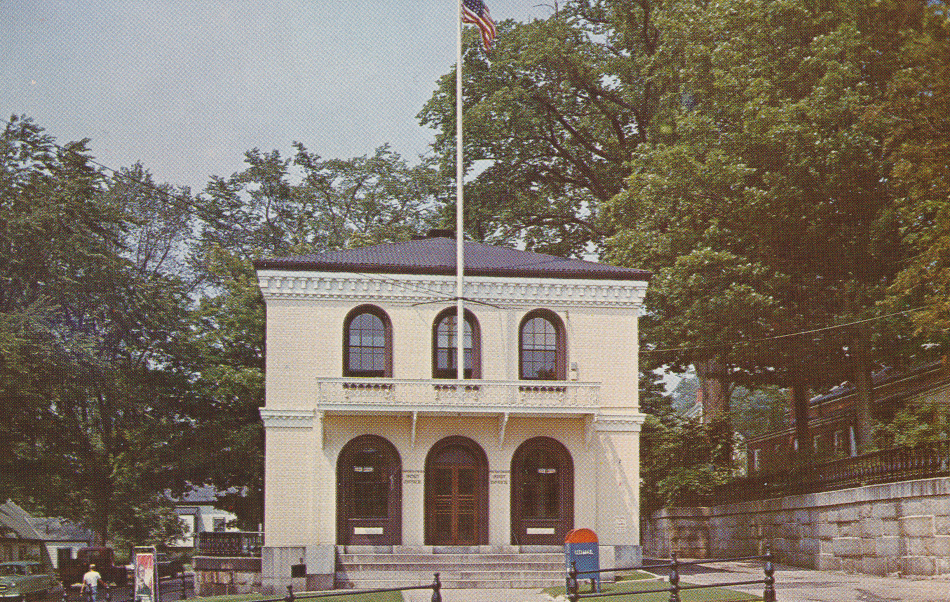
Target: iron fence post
[436,589]
[290,594]
[674,579]
[769,594]
[572,594]
[65,592]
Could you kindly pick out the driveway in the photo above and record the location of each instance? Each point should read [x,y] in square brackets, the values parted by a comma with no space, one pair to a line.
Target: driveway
[791,585]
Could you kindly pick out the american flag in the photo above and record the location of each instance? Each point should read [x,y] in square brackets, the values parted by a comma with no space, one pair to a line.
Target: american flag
[475,11]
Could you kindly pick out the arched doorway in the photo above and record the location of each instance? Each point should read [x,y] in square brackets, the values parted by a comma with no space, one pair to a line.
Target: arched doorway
[542,493]
[456,493]
[369,493]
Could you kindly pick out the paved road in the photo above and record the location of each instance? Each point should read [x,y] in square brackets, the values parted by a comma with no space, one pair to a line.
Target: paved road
[791,585]
[170,590]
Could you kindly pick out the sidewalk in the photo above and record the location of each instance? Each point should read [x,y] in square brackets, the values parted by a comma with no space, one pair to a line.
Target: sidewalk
[791,585]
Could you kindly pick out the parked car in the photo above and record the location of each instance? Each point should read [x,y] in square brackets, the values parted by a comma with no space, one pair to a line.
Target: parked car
[169,566]
[26,580]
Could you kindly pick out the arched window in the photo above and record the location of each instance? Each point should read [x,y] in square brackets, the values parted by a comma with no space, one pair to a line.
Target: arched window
[541,346]
[445,347]
[367,343]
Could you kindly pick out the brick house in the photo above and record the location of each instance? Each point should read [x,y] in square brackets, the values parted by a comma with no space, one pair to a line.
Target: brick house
[832,419]
[371,443]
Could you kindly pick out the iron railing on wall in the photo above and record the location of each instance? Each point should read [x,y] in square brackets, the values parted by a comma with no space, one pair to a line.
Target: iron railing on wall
[229,543]
[893,465]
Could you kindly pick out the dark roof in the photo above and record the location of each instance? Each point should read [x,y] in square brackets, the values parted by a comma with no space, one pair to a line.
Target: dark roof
[881,377]
[15,523]
[57,529]
[436,255]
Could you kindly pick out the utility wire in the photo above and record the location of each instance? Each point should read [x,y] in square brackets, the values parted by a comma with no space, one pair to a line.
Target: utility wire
[784,336]
[449,297]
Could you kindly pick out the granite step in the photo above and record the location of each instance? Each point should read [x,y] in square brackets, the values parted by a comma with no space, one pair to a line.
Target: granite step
[456,571]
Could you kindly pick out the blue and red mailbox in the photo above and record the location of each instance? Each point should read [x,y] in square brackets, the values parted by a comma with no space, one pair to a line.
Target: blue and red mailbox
[581,548]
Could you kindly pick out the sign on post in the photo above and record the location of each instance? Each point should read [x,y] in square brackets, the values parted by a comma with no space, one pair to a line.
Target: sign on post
[146,575]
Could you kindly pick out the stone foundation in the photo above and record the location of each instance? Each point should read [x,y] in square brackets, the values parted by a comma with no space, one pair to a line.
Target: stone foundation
[878,530]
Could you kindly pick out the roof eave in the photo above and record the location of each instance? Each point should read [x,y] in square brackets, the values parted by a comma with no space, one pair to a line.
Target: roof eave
[305,266]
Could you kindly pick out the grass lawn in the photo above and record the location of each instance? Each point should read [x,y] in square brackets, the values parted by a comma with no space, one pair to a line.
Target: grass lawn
[639,582]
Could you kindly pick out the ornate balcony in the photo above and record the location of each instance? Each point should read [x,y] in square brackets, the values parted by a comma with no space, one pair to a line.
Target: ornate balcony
[434,396]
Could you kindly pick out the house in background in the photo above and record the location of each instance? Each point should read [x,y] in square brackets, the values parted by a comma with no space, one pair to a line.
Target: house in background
[62,537]
[832,419]
[196,509]
[372,446]
[18,539]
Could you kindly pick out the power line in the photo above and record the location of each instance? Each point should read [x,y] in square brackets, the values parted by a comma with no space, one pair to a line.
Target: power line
[783,336]
[546,261]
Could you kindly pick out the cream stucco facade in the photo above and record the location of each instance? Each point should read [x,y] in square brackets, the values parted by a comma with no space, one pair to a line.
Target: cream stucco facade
[314,410]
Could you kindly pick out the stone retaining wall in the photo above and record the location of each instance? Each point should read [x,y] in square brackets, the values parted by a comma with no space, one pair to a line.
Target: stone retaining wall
[878,529]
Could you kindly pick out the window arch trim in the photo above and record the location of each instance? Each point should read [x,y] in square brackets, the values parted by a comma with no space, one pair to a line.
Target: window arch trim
[530,358]
[383,366]
[475,371]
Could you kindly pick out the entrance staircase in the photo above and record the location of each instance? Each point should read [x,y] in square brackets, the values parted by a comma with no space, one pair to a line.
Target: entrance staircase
[478,567]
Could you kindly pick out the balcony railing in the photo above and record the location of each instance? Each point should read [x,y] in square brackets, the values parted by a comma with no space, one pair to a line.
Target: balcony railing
[466,394]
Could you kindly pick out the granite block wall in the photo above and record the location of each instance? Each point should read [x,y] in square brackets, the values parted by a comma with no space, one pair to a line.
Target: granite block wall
[878,530]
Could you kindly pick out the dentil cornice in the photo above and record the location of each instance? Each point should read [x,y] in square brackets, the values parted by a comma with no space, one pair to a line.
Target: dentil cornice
[414,288]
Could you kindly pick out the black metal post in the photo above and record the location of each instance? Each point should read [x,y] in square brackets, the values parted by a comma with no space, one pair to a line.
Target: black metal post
[769,594]
[181,592]
[572,594]
[108,593]
[65,592]
[436,589]
[290,594]
[674,579]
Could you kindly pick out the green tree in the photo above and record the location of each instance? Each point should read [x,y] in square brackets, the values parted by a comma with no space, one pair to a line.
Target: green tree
[551,117]
[87,328]
[682,461]
[760,200]
[918,100]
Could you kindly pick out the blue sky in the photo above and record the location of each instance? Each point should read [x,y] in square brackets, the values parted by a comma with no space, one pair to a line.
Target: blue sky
[187,86]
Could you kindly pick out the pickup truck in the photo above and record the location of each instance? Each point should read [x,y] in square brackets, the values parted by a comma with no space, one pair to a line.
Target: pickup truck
[71,571]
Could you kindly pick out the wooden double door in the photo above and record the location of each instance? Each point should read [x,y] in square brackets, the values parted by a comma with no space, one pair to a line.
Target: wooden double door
[456,482]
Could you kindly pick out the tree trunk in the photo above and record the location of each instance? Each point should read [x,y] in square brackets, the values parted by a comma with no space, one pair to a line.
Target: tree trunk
[800,404]
[714,389]
[864,393]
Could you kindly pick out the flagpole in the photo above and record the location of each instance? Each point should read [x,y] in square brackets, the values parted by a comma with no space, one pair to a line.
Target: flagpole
[459,222]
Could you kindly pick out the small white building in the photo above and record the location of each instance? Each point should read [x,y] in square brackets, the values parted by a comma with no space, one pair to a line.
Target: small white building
[370,440]
[198,513]
[63,538]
